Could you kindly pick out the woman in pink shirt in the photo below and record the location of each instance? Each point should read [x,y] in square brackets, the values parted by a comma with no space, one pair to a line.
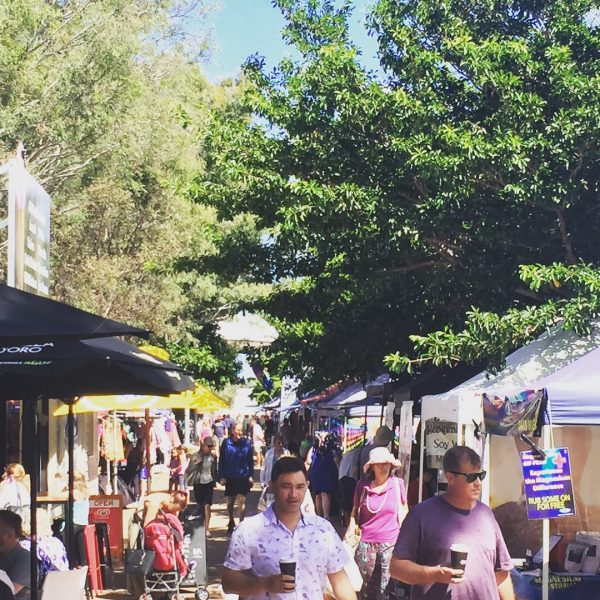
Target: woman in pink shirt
[379,508]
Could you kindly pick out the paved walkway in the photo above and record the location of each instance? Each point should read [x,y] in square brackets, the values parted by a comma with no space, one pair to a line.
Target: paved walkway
[216,546]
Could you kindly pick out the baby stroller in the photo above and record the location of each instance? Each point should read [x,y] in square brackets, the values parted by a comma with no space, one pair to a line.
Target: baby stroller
[164,536]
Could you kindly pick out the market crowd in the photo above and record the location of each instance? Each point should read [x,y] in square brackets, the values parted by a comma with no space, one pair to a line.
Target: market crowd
[447,546]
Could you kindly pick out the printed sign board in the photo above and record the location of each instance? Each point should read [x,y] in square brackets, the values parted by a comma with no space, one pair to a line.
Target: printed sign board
[439,437]
[548,485]
[109,510]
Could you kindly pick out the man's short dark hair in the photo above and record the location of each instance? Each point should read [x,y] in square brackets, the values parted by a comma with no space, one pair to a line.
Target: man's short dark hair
[12,520]
[287,464]
[455,455]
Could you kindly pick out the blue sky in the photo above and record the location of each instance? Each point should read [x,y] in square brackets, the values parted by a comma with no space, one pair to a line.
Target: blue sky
[240,28]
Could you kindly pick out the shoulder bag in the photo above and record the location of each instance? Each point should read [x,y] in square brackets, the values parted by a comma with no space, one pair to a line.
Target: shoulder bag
[139,561]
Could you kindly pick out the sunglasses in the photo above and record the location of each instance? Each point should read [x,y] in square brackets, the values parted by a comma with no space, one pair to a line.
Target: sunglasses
[471,477]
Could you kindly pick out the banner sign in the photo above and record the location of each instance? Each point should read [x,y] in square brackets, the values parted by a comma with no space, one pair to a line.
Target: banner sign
[548,485]
[405,438]
[512,415]
[28,232]
[439,437]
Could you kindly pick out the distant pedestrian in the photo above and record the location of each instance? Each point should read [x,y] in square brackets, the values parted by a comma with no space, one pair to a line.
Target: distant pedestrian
[383,438]
[202,474]
[177,468]
[236,472]
[422,552]
[258,440]
[348,476]
[323,473]
[284,532]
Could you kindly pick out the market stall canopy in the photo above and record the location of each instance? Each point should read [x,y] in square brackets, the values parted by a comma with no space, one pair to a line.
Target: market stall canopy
[356,392]
[28,318]
[543,363]
[352,409]
[70,368]
[573,392]
[528,365]
[200,398]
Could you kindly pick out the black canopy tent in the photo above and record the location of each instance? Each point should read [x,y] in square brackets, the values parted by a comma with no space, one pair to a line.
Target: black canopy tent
[26,321]
[26,317]
[70,368]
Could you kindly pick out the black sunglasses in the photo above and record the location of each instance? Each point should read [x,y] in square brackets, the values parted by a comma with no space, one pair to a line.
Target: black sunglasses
[471,477]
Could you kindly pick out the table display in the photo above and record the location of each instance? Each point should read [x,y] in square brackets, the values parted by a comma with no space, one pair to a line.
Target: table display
[562,586]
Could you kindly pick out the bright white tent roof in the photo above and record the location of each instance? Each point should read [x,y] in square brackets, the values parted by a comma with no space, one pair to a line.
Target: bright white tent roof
[247,329]
[526,368]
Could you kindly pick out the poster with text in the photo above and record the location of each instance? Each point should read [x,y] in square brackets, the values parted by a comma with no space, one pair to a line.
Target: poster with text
[548,485]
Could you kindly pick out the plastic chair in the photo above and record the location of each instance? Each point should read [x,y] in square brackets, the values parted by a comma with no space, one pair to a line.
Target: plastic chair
[65,585]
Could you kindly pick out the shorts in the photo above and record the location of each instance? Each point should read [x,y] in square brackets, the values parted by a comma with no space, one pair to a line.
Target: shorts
[203,493]
[238,486]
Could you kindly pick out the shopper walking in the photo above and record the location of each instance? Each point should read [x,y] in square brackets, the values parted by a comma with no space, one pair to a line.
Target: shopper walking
[323,472]
[422,553]
[379,509]
[258,440]
[236,471]
[202,475]
[284,532]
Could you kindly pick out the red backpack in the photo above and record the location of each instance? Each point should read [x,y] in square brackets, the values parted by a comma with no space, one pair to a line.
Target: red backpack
[164,535]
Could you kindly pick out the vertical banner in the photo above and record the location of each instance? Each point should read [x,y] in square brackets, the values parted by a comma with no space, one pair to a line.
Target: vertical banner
[405,438]
[288,395]
[512,415]
[28,231]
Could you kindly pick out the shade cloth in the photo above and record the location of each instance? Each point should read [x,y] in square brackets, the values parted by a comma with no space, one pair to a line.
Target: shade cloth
[200,399]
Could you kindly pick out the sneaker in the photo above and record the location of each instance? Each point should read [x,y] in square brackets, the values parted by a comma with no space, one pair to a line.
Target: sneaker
[230,526]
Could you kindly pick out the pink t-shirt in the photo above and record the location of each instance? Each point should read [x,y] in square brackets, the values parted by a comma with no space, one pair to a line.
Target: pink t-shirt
[378,511]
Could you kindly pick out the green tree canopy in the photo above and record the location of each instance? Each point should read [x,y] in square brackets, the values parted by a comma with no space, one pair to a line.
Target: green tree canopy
[110,102]
[394,202]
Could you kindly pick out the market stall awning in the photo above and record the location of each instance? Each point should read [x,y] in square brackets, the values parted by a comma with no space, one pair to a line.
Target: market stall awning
[356,393]
[573,392]
[200,399]
[355,408]
[323,395]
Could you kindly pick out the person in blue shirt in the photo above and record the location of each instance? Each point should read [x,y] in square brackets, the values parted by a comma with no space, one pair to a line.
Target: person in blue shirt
[236,472]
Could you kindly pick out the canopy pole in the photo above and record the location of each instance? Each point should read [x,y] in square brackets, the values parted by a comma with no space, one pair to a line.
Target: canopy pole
[115,466]
[186,434]
[421,455]
[33,481]
[547,430]
[71,455]
[148,466]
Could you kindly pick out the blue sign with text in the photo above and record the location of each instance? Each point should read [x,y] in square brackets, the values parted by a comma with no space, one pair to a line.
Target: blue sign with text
[548,485]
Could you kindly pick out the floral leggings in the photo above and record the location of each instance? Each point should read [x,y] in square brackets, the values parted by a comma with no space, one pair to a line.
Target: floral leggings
[373,561]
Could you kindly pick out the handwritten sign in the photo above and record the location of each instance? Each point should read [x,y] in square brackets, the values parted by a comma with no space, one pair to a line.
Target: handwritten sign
[548,485]
[439,437]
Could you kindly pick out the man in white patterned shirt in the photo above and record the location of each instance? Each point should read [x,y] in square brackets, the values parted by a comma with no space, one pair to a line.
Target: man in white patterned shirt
[282,531]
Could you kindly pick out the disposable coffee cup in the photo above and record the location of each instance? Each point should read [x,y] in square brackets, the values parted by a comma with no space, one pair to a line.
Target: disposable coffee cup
[287,566]
[458,556]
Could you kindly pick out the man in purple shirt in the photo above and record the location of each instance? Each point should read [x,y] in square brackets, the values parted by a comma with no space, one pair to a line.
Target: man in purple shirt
[422,552]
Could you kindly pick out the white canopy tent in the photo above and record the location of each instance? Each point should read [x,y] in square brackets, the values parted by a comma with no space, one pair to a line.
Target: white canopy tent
[530,367]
